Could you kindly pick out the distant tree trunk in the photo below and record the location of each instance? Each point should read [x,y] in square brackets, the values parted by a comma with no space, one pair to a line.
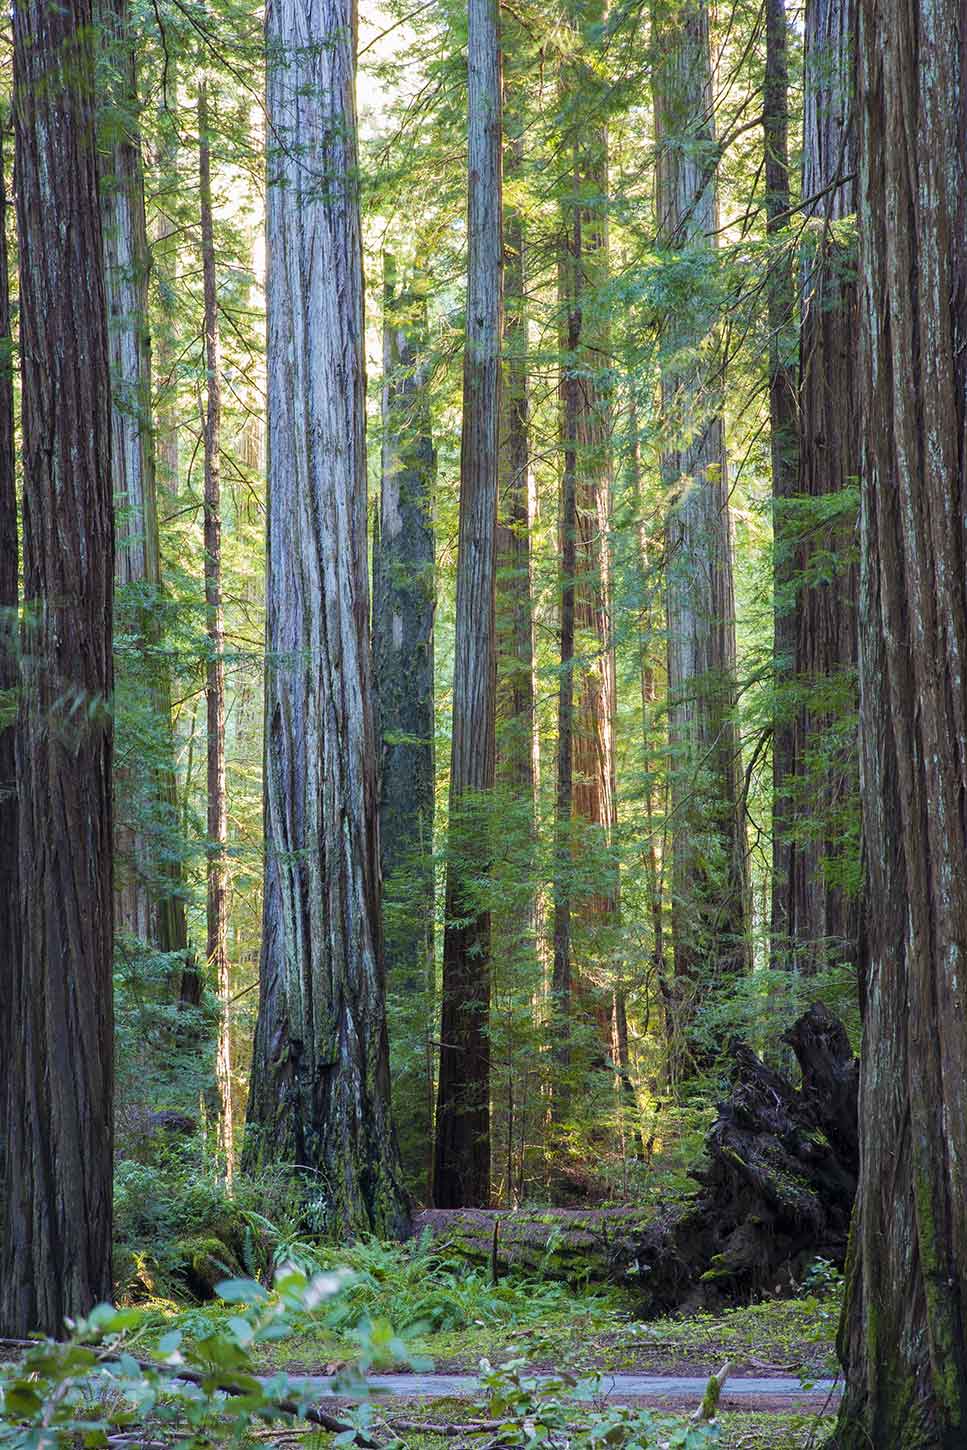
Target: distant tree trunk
[55,1258]
[320,1088]
[516,926]
[709,865]
[902,1335]
[217,873]
[462,1152]
[149,901]
[783,424]
[9,587]
[823,922]
[561,983]
[403,607]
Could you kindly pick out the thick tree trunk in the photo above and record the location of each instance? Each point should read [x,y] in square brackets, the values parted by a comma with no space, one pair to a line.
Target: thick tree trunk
[709,864]
[902,1337]
[149,901]
[784,439]
[403,607]
[217,866]
[462,1153]
[320,1088]
[56,1243]
[821,783]
[9,587]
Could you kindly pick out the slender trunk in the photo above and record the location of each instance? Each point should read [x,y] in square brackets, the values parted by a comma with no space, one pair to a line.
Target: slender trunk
[217,874]
[516,923]
[320,1086]
[55,1258]
[709,861]
[823,782]
[9,590]
[783,422]
[902,1336]
[403,606]
[462,1151]
[150,902]
[561,982]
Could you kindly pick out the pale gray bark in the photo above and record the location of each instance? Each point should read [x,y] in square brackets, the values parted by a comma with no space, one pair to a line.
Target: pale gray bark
[709,868]
[320,1092]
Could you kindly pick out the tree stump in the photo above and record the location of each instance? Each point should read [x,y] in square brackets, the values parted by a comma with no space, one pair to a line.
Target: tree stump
[779,1188]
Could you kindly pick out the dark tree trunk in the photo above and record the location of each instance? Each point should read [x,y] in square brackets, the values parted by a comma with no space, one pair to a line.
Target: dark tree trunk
[784,438]
[563,863]
[56,1243]
[217,865]
[403,606]
[462,1153]
[709,864]
[779,1189]
[320,1088]
[821,784]
[902,1337]
[149,901]
[9,581]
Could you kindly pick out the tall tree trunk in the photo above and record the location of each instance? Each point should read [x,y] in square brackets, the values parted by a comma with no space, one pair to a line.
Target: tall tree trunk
[823,921]
[709,863]
[56,1243]
[784,424]
[149,903]
[516,924]
[462,1151]
[902,1336]
[561,981]
[217,872]
[403,606]
[320,1088]
[9,582]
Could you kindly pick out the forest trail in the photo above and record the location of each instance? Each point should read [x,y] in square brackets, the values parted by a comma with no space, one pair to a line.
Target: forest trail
[759,1392]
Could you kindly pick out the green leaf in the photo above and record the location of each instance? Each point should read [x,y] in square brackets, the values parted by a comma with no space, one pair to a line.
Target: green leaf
[241,1291]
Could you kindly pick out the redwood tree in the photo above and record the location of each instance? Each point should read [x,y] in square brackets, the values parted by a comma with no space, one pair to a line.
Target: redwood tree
[320,1088]
[56,1241]
[403,608]
[462,1150]
[709,864]
[902,1336]
[9,916]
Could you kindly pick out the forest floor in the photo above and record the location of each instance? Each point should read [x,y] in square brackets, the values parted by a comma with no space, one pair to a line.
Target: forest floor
[595,1332]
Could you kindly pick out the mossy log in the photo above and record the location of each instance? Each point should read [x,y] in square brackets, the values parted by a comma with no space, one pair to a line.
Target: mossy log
[779,1188]
[558,1243]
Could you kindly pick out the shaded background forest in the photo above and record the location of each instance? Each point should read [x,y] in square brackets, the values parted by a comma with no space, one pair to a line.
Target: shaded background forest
[676,477]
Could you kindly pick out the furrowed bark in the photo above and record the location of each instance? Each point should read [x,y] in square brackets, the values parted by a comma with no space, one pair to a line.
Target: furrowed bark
[320,1090]
[902,1336]
[56,1244]
[9,593]
[462,1151]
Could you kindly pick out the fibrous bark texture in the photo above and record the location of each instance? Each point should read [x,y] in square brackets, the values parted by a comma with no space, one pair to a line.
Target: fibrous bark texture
[902,1338]
[815,918]
[709,867]
[9,580]
[56,1242]
[462,1151]
[320,1090]
[403,606]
